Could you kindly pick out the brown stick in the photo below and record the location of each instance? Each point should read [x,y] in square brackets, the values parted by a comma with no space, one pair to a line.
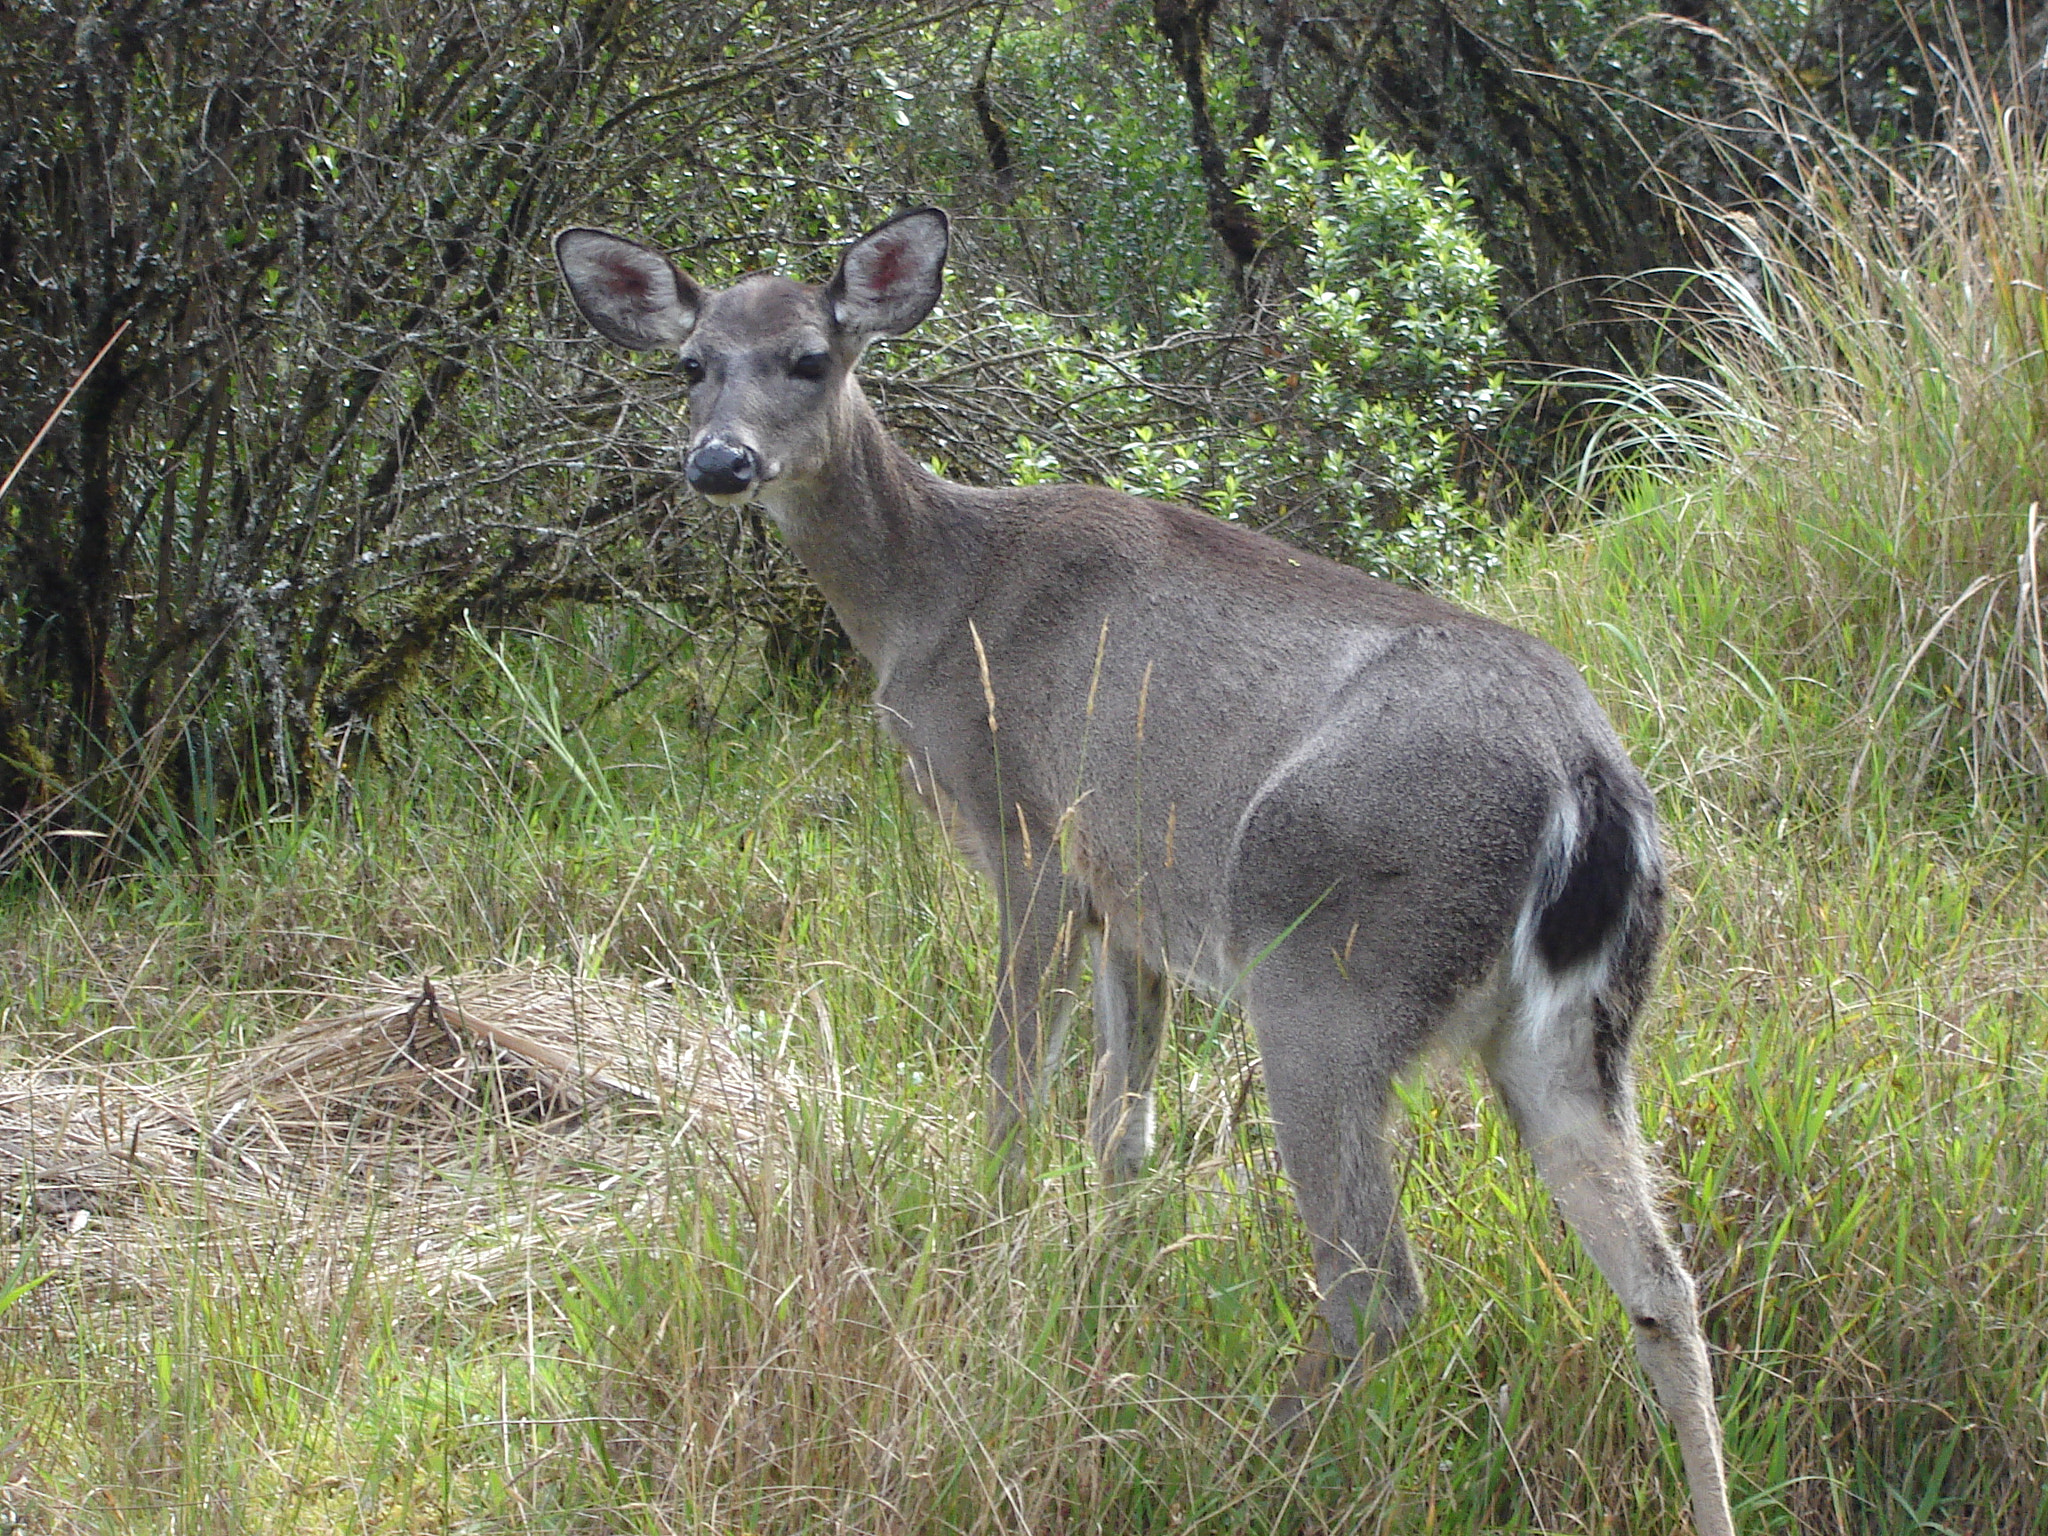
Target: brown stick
[50,420]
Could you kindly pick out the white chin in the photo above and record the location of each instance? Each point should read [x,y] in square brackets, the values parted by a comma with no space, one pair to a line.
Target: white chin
[736,499]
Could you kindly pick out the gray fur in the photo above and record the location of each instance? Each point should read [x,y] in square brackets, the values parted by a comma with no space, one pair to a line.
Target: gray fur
[1380,821]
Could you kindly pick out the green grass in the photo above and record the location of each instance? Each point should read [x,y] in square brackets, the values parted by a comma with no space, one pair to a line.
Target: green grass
[1846,1078]
[1824,567]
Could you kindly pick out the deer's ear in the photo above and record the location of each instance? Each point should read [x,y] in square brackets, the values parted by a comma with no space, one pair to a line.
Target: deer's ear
[632,293]
[890,277]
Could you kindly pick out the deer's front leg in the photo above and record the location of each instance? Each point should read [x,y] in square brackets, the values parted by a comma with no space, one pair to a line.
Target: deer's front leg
[1130,1027]
[1042,921]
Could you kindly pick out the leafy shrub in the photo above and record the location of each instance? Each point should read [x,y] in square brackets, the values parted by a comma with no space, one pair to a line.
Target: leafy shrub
[1387,340]
[1343,411]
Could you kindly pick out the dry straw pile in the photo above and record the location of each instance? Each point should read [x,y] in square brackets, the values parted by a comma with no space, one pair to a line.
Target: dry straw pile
[451,1125]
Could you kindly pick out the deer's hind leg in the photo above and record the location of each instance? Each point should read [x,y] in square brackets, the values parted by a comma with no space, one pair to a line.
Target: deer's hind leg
[1329,1071]
[1563,1078]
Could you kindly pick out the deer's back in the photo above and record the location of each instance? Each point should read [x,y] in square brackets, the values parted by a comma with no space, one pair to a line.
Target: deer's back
[1201,716]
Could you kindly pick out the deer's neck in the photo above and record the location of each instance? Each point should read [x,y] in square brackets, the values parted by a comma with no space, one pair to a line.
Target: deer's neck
[895,549]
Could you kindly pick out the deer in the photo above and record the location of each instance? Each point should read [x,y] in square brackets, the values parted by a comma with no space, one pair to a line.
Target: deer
[1185,753]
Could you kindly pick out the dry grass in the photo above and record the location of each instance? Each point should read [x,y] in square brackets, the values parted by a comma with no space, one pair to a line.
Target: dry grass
[392,1092]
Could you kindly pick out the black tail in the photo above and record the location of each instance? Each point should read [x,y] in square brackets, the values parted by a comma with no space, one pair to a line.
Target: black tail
[1599,885]
[1609,902]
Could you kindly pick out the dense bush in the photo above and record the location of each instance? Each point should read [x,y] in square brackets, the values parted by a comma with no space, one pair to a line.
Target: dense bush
[1346,413]
[328,435]
[1387,344]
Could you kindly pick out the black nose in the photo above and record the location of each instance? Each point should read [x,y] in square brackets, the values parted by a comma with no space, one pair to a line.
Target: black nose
[719,469]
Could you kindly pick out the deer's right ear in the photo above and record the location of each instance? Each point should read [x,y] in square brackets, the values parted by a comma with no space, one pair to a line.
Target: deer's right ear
[890,277]
[632,293]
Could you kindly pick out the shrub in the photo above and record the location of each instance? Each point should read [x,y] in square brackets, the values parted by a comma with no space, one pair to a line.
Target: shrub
[1344,410]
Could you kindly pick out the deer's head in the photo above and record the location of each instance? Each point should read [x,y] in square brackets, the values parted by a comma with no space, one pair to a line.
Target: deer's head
[768,361]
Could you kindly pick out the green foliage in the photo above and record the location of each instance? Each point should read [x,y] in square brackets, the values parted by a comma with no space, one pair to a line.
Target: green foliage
[1097,214]
[329,435]
[1597,137]
[1348,414]
[1389,337]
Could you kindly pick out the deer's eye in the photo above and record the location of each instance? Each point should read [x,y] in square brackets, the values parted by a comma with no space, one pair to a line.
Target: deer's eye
[693,370]
[812,366]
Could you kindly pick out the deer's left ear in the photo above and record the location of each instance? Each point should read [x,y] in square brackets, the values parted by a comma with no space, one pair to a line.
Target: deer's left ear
[890,277]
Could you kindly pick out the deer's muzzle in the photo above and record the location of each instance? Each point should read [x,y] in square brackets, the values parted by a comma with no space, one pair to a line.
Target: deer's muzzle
[719,468]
